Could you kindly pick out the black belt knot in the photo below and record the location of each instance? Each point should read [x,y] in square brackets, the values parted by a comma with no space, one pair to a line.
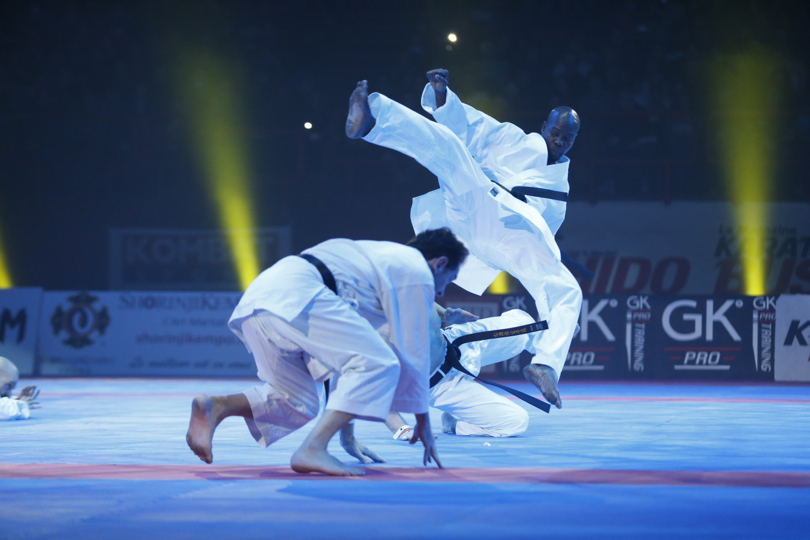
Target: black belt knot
[452,359]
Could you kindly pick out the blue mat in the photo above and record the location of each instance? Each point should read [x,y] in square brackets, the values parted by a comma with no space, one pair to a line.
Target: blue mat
[738,428]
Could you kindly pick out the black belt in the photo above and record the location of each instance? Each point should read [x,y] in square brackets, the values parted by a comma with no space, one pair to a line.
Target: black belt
[520,192]
[329,281]
[453,356]
[326,275]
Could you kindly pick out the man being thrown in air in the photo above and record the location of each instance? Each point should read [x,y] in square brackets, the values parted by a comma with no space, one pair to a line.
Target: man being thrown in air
[502,191]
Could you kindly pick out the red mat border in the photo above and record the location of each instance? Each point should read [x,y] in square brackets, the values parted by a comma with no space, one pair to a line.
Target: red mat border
[797,401]
[89,471]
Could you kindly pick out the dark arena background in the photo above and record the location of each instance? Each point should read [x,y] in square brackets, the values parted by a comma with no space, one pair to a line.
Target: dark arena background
[156,156]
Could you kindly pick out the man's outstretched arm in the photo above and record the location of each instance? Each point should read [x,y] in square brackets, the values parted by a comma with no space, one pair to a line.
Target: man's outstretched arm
[423,433]
[355,448]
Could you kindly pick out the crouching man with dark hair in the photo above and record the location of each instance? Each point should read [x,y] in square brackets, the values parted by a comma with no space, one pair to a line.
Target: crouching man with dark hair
[314,317]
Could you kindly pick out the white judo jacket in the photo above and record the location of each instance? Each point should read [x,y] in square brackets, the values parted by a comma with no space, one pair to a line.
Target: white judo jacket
[506,155]
[384,282]
[12,409]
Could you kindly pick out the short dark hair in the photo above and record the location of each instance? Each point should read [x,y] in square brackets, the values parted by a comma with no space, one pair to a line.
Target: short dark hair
[435,243]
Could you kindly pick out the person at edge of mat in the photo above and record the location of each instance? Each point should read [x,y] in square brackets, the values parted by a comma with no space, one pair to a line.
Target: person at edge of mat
[302,333]
[469,408]
[502,191]
[15,408]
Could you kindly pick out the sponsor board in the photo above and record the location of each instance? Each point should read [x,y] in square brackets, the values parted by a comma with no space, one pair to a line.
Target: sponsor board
[639,334]
[150,259]
[19,322]
[134,334]
[685,247]
[792,337]
[663,337]
[596,352]
[712,338]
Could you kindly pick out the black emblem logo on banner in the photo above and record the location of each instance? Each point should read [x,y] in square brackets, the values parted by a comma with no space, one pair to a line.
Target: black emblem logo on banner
[80,320]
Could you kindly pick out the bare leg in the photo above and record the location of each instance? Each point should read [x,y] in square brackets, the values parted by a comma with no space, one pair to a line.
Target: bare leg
[545,379]
[360,121]
[312,455]
[206,414]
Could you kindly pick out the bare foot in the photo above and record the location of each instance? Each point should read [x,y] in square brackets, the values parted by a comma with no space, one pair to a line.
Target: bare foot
[201,427]
[449,423]
[545,379]
[360,121]
[307,460]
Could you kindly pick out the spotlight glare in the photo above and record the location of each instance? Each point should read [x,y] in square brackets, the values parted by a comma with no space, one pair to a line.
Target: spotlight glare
[501,285]
[209,91]
[5,275]
[744,93]
[307,125]
[452,38]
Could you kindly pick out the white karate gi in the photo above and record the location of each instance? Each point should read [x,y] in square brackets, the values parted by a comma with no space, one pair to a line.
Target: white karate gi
[13,409]
[300,334]
[501,232]
[481,411]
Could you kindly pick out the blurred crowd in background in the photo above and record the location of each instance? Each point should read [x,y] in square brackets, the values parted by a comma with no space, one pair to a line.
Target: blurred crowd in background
[95,130]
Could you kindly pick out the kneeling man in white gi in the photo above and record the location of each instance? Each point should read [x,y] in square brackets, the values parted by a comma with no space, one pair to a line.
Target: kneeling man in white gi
[470,408]
[301,333]
[502,191]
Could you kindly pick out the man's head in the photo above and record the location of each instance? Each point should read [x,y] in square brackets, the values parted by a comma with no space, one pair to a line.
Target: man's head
[444,254]
[8,377]
[559,132]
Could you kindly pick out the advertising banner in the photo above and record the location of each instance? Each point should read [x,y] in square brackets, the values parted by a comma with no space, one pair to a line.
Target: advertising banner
[19,321]
[646,337]
[792,338]
[141,334]
[176,260]
[685,247]
[712,338]
[597,351]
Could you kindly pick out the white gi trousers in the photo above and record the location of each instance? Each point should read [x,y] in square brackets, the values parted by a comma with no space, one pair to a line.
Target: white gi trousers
[485,219]
[364,369]
[481,411]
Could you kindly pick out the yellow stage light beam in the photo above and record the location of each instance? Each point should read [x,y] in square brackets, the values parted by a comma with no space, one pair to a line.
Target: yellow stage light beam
[5,273]
[745,92]
[501,285]
[209,93]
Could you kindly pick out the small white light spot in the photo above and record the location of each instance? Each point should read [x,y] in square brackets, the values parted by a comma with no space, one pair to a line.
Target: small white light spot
[307,125]
[452,38]
[487,444]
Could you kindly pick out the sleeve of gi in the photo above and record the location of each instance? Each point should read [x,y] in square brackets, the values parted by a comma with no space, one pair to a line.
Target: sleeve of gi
[408,310]
[12,409]
[479,131]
